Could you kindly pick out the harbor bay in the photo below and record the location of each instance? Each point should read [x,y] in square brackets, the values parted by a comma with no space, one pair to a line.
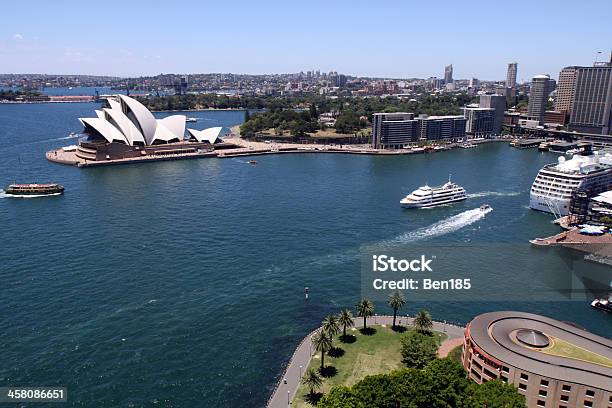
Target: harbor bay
[181,283]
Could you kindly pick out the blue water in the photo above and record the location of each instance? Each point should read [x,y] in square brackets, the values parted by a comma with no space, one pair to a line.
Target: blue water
[180,283]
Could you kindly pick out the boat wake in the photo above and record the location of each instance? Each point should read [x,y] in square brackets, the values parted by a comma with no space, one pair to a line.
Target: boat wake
[493,194]
[443,227]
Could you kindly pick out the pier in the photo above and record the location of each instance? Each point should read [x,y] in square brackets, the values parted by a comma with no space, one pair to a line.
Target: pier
[599,245]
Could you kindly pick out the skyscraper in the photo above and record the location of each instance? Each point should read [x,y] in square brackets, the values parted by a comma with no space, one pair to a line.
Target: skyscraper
[538,96]
[566,88]
[511,75]
[498,104]
[448,74]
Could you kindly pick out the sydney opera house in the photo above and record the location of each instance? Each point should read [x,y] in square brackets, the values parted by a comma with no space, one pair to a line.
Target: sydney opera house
[126,129]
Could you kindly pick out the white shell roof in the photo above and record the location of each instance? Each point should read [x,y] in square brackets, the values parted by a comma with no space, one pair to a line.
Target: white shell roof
[207,135]
[130,122]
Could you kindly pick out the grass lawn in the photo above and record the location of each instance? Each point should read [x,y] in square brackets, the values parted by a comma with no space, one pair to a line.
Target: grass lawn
[369,354]
[563,348]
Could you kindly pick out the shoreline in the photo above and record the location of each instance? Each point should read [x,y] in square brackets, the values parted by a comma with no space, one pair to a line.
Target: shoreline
[245,148]
[290,377]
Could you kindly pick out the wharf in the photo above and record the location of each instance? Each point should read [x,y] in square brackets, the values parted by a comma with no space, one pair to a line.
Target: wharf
[599,245]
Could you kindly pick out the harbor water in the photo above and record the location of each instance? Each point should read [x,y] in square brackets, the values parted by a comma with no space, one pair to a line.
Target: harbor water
[180,283]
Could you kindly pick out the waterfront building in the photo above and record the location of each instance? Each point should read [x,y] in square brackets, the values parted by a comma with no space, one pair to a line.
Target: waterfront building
[538,97]
[585,93]
[396,130]
[498,104]
[448,74]
[479,121]
[127,129]
[552,363]
[511,75]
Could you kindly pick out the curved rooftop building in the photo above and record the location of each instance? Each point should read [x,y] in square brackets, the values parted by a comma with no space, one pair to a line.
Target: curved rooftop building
[127,131]
[129,122]
[552,363]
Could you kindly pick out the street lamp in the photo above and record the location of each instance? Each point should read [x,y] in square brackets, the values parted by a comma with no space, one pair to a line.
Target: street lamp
[288,399]
[300,371]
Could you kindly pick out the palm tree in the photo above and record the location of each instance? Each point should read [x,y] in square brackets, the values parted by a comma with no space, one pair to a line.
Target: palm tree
[396,301]
[422,322]
[312,380]
[365,309]
[331,326]
[345,318]
[322,342]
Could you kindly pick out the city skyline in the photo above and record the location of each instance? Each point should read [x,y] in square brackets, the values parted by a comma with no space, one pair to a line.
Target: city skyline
[72,38]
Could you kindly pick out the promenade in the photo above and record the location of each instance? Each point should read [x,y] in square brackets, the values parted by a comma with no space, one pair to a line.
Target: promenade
[289,381]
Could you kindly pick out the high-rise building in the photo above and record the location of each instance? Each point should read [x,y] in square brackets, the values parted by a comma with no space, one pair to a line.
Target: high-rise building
[395,130]
[479,121]
[511,75]
[591,106]
[448,74]
[498,104]
[538,97]
[566,88]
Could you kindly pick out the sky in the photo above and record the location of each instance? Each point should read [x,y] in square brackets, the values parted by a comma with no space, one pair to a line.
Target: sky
[393,39]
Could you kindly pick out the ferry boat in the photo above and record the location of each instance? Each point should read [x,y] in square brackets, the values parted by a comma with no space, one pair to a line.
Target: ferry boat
[467,145]
[552,188]
[23,190]
[426,196]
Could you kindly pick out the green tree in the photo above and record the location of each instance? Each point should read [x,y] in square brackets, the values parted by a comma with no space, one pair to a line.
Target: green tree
[313,111]
[495,394]
[345,318]
[322,342]
[331,326]
[422,322]
[339,396]
[418,349]
[247,115]
[313,381]
[365,309]
[396,301]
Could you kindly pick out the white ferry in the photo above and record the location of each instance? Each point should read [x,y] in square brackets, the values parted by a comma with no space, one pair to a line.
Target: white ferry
[426,196]
[553,186]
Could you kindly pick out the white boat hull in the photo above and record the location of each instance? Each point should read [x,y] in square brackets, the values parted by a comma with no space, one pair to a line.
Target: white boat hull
[430,204]
[548,204]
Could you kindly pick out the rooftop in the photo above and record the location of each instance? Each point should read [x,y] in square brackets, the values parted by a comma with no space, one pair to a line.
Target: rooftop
[520,340]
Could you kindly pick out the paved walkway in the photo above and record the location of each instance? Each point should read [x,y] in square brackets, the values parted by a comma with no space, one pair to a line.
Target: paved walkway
[290,380]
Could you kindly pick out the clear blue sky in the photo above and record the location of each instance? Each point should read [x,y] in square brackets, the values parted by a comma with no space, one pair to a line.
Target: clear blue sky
[368,38]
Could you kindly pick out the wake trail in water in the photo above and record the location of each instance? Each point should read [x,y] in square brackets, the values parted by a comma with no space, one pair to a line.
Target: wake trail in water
[443,227]
[493,194]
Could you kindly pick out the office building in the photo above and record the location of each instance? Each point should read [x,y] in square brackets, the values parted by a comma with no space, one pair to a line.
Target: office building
[498,104]
[566,89]
[552,363]
[448,74]
[479,121]
[511,75]
[591,104]
[538,97]
[396,130]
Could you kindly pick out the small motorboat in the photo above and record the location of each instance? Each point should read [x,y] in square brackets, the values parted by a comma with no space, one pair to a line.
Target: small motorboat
[252,162]
[603,304]
[485,207]
[191,120]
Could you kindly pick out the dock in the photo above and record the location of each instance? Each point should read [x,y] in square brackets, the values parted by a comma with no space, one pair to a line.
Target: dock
[598,245]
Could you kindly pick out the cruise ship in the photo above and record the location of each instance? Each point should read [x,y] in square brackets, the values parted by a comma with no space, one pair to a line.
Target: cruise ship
[553,186]
[426,196]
